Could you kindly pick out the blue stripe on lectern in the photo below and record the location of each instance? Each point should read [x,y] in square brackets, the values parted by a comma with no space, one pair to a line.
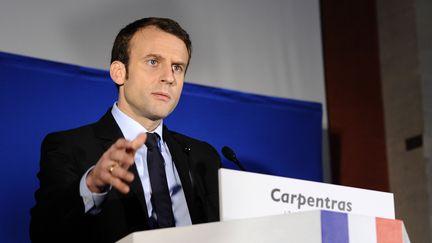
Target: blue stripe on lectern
[334,227]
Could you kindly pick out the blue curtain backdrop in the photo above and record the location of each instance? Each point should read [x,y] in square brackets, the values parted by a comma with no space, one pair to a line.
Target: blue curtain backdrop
[270,135]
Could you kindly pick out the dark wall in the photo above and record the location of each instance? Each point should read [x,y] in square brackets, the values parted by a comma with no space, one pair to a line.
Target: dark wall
[354,97]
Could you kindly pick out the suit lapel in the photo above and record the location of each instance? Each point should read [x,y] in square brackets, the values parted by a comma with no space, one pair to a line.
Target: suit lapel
[108,131]
[181,161]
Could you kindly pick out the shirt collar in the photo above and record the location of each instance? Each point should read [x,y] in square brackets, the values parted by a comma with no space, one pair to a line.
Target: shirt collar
[129,127]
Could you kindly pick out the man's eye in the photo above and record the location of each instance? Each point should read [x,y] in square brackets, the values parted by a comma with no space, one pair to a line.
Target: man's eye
[152,62]
[177,68]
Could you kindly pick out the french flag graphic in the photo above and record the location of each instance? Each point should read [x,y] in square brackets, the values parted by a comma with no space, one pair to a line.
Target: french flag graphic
[347,228]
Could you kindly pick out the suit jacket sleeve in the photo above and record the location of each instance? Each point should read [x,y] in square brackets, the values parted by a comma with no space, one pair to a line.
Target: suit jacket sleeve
[59,209]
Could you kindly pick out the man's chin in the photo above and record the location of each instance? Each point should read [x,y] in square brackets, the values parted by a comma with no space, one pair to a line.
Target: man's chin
[158,116]
[158,113]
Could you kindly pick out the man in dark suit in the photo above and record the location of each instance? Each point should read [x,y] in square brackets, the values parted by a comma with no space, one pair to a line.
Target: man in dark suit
[98,182]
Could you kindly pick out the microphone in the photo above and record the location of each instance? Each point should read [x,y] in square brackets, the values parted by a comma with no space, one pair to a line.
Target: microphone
[230,155]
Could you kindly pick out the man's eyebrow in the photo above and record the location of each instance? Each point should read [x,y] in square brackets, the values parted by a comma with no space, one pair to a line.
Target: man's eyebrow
[154,55]
[160,57]
[180,63]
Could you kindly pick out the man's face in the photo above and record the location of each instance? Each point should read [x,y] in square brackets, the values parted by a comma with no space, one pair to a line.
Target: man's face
[156,71]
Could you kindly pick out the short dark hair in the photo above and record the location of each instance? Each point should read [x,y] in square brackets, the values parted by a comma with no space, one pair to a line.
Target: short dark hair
[120,51]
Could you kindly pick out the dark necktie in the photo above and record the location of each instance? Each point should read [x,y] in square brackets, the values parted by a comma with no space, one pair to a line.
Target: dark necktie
[160,197]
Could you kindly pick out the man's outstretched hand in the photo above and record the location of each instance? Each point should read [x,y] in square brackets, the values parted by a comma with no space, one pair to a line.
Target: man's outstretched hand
[112,167]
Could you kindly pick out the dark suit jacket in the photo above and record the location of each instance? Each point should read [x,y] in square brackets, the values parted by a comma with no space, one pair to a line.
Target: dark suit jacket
[59,216]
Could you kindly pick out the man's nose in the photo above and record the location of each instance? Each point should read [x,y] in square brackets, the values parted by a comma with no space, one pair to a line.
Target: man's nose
[168,75]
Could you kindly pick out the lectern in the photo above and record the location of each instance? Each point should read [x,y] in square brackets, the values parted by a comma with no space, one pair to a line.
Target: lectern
[262,208]
[301,227]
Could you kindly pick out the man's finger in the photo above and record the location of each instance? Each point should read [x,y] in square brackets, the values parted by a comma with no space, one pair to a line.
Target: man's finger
[138,141]
[122,157]
[121,143]
[119,185]
[121,173]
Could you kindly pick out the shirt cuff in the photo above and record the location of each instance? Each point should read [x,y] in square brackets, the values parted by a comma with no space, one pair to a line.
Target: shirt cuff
[92,200]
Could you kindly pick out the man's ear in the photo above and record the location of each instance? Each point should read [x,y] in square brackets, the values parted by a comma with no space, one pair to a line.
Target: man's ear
[118,72]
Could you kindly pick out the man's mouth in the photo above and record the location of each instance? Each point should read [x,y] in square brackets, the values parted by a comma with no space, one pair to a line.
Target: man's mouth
[161,96]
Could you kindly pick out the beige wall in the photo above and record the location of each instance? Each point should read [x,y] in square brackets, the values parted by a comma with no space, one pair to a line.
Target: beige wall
[423,10]
[402,38]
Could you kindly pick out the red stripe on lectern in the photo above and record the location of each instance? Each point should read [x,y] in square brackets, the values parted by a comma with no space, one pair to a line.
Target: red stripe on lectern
[389,230]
